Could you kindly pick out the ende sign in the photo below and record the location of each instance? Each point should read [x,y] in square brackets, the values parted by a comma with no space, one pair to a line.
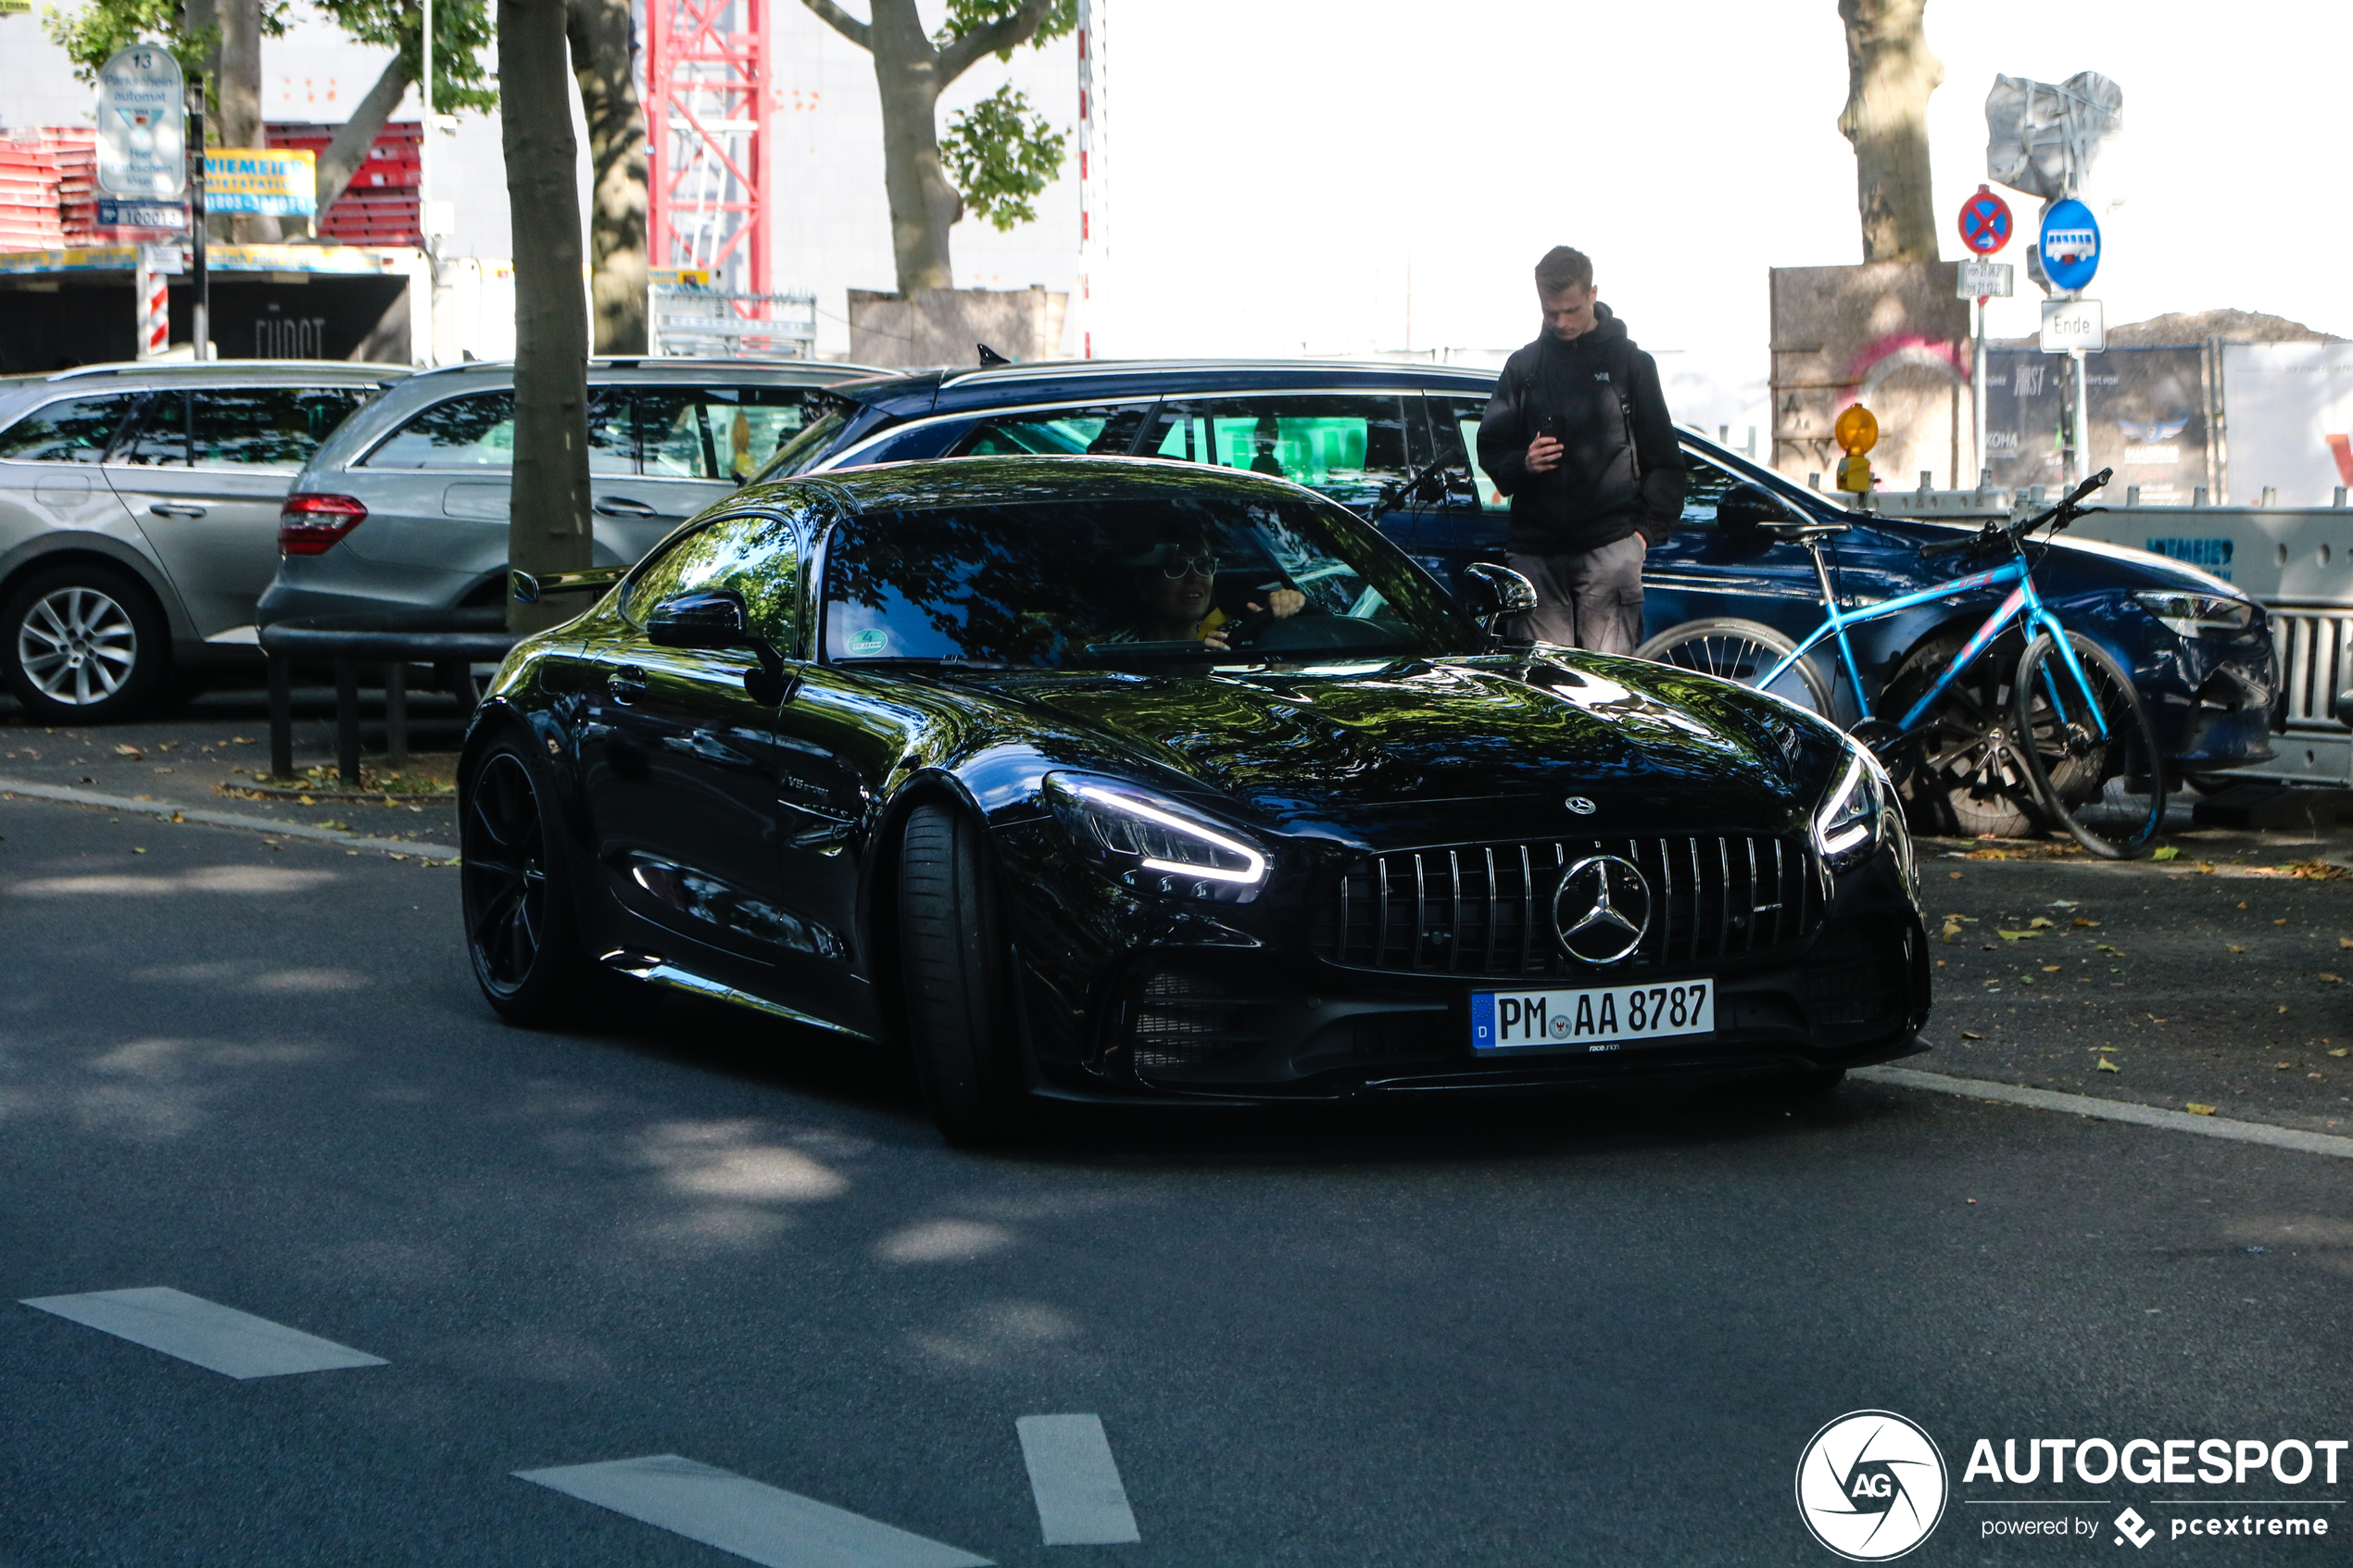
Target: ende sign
[143,126]
[2073,325]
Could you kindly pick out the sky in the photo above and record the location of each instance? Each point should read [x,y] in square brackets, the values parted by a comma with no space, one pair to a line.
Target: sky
[1277,169]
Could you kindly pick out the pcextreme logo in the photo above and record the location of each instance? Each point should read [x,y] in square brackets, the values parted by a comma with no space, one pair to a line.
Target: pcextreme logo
[1871,1486]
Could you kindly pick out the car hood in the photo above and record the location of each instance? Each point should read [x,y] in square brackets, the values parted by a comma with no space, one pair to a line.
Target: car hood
[1426,747]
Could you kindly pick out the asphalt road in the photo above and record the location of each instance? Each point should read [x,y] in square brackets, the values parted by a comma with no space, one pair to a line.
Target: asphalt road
[1543,1333]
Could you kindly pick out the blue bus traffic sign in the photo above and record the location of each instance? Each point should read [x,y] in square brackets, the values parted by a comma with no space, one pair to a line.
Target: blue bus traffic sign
[1985,222]
[2070,245]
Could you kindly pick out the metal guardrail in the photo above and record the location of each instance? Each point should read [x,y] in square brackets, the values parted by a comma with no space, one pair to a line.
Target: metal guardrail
[451,644]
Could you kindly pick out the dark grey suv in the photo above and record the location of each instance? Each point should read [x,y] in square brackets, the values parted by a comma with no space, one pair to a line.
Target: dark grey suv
[405,510]
[139,509]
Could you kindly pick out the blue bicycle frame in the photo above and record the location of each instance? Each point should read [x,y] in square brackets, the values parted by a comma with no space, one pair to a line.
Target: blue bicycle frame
[2021,603]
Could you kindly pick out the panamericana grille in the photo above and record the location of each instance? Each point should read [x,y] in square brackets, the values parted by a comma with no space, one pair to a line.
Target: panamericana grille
[1488,909]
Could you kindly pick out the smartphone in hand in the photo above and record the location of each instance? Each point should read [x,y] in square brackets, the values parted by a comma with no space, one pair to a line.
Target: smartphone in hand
[1555,426]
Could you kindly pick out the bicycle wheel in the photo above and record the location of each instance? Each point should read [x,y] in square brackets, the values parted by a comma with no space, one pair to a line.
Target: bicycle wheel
[2109,788]
[1743,651]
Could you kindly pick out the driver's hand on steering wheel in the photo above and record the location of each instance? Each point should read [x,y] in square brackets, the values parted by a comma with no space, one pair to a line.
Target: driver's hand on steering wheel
[1282,604]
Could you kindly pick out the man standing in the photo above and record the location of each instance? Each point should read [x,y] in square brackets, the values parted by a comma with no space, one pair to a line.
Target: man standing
[1577,436]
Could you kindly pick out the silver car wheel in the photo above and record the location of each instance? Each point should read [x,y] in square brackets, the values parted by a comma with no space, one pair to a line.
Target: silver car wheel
[77,646]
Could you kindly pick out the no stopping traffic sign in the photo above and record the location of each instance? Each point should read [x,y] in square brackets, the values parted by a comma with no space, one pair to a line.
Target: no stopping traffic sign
[1985,222]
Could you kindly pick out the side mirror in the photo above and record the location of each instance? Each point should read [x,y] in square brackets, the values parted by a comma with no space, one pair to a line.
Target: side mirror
[699,621]
[719,621]
[1745,507]
[1494,592]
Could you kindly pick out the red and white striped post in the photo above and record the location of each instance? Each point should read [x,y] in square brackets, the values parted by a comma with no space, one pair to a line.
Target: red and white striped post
[152,287]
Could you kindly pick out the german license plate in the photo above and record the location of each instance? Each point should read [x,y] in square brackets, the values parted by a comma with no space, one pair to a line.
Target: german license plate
[1503,1021]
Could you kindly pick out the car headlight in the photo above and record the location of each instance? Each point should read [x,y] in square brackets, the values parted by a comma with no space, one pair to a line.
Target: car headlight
[1154,845]
[1855,814]
[2192,615]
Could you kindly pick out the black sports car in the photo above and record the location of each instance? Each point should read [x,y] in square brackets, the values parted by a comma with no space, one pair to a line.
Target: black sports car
[1112,777]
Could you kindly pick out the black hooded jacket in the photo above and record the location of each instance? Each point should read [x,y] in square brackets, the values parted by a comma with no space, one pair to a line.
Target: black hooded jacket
[1621,472]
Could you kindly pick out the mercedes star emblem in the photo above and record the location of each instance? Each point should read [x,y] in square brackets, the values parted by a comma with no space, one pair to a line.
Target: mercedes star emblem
[1603,909]
[1581,806]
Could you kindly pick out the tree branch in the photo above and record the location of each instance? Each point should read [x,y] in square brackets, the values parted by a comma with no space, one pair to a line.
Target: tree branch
[1008,32]
[349,149]
[841,21]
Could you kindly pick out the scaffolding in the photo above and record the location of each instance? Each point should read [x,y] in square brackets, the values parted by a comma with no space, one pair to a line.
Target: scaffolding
[682,319]
[708,67]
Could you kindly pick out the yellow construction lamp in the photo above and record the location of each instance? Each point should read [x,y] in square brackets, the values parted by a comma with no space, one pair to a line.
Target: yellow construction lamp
[1857,432]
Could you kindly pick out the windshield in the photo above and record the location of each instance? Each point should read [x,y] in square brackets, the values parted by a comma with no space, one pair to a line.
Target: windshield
[802,449]
[1115,584]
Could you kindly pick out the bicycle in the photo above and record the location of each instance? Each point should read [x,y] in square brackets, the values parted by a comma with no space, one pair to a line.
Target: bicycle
[2071,720]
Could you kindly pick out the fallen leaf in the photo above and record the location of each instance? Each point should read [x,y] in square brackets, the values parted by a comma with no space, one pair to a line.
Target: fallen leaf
[1966,1035]
[2286,1066]
[2197,1109]
[240,740]
[2339,1051]
[143,851]
[2018,935]
[2050,969]
[2089,924]
[178,817]
[2108,1066]
[2242,903]
[1952,929]
[2333,979]
[2205,869]
[167,746]
[1956,876]
[2040,923]
[2153,1018]
[2167,853]
[2235,947]
[131,751]
[2283,1010]
[307,801]
[2279,923]
[2062,903]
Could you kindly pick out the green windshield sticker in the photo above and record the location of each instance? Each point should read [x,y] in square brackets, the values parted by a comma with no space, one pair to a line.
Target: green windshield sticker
[874,639]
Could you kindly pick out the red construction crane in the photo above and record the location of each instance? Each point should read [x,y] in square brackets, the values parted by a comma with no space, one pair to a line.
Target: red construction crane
[708,67]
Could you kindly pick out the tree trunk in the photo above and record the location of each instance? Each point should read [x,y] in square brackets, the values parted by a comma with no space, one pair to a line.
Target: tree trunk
[1890,74]
[923,205]
[548,520]
[348,151]
[240,110]
[603,61]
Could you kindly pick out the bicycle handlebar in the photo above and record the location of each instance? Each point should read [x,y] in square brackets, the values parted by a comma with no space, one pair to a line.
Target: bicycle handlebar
[2058,517]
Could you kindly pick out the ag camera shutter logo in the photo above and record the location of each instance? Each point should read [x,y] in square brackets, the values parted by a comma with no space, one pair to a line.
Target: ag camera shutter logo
[1871,1486]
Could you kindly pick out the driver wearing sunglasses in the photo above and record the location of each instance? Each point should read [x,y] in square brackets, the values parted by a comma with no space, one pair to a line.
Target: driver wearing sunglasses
[1171,589]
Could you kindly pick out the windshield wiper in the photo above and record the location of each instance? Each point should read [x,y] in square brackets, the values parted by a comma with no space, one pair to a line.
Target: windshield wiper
[944,661]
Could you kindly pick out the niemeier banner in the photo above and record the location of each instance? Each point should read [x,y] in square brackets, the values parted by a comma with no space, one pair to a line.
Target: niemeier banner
[1873,1485]
[280,182]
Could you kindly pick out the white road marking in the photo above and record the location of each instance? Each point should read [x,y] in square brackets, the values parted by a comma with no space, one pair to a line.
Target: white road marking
[220,1338]
[735,1513]
[1080,1501]
[2113,1111]
[165,809]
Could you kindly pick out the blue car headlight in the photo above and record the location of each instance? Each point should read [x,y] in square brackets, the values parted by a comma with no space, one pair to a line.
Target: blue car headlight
[2197,615]
[1154,844]
[1858,814]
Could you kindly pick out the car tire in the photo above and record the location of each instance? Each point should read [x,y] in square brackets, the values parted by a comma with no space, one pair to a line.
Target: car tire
[522,936]
[84,643]
[1962,779]
[956,971]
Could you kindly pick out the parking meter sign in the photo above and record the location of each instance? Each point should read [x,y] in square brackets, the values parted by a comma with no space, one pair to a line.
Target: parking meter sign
[142,127]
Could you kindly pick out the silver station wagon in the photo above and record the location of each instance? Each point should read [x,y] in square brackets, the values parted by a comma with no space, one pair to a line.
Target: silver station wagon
[405,510]
[139,509]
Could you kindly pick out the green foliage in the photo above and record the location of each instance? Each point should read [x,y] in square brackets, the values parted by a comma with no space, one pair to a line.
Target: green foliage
[999,158]
[462,31]
[968,17]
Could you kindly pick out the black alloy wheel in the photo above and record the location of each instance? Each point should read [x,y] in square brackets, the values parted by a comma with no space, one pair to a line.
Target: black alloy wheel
[2104,781]
[958,973]
[1965,776]
[84,643]
[520,933]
